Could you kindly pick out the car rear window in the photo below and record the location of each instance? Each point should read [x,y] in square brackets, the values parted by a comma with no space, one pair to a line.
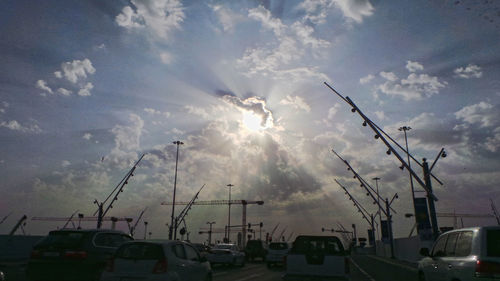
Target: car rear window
[278,246]
[140,251]
[319,244]
[493,243]
[63,239]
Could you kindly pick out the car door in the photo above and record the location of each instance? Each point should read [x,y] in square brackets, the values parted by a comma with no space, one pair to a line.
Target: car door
[431,265]
[196,269]
[181,266]
[447,263]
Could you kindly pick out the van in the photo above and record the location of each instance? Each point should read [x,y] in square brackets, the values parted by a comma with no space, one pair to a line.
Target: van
[463,254]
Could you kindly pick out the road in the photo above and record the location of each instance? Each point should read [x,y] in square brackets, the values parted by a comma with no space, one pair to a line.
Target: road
[363,268]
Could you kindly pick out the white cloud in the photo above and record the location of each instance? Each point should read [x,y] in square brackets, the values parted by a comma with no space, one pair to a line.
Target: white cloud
[16,126]
[64,92]
[75,70]
[317,10]
[470,71]
[87,136]
[127,140]
[366,79]
[85,91]
[197,111]
[41,84]
[414,66]
[226,17]
[355,9]
[4,105]
[296,102]
[481,114]
[389,76]
[160,17]
[380,115]
[166,58]
[333,110]
[493,143]
[65,163]
[264,16]
[157,112]
[304,34]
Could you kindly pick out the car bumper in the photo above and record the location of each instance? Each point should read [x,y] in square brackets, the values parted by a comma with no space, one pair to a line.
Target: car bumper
[63,271]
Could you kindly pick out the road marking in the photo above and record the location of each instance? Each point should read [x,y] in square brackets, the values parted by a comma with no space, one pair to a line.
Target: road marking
[393,263]
[362,271]
[249,277]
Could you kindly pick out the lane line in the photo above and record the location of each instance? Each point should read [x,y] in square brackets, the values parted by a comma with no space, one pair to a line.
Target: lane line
[249,277]
[362,271]
[394,263]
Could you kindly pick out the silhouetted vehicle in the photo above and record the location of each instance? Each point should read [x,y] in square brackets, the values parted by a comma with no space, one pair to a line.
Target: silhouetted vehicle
[317,257]
[255,249]
[276,253]
[73,254]
[462,255]
[202,249]
[228,254]
[165,260]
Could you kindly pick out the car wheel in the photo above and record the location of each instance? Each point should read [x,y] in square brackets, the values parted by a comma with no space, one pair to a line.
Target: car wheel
[421,276]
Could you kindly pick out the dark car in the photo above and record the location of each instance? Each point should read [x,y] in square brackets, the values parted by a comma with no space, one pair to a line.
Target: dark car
[71,254]
[202,248]
[256,249]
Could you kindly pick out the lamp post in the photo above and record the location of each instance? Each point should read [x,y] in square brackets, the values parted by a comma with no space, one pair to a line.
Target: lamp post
[145,229]
[229,214]
[376,179]
[210,232]
[405,129]
[173,226]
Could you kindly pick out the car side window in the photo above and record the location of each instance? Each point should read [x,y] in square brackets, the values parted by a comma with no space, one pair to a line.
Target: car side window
[103,240]
[191,253]
[451,243]
[179,251]
[439,247]
[464,244]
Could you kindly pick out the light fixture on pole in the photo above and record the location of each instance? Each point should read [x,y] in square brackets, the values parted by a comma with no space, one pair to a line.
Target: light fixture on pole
[173,225]
[229,214]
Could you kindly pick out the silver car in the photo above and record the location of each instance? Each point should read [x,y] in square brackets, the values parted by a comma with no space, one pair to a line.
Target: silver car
[164,260]
[228,254]
[463,254]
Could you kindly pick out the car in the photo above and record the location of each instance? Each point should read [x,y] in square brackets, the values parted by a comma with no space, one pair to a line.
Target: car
[228,254]
[463,254]
[256,249]
[72,254]
[276,253]
[202,248]
[317,257]
[166,260]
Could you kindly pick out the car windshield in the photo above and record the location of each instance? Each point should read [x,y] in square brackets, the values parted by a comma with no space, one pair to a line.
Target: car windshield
[63,239]
[325,245]
[278,246]
[140,251]
[493,242]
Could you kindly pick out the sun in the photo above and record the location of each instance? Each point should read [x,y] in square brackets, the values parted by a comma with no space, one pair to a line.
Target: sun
[252,121]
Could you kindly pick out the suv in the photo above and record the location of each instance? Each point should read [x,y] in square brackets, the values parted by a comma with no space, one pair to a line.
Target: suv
[276,253]
[255,249]
[463,254]
[71,254]
[317,257]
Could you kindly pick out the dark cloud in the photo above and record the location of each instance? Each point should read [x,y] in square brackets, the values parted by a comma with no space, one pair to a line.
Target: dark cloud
[256,105]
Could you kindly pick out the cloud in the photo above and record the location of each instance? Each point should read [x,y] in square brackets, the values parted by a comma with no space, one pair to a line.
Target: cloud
[41,84]
[389,76]
[157,112]
[413,66]
[366,79]
[127,140]
[16,126]
[380,115]
[470,71]
[166,57]
[64,92]
[3,106]
[65,163]
[264,16]
[85,91]
[254,104]
[197,111]
[226,17]
[296,102]
[87,136]
[354,10]
[159,17]
[75,70]
[493,143]
[481,114]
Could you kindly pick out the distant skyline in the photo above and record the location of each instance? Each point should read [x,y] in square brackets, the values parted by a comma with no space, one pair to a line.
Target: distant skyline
[87,87]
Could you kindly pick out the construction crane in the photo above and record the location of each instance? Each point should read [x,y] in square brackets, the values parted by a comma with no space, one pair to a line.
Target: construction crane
[244,203]
[65,219]
[455,216]
[20,223]
[132,228]
[494,209]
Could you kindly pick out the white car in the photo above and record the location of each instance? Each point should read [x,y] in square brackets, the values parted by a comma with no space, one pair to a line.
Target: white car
[462,255]
[228,254]
[317,257]
[164,260]
[276,253]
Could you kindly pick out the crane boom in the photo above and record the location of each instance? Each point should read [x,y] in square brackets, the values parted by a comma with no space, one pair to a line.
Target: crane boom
[216,202]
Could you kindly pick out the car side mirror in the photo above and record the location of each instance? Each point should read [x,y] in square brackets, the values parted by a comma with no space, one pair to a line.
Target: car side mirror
[424,252]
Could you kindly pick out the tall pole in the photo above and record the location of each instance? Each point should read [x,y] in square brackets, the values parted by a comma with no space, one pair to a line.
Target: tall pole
[376,179]
[430,201]
[405,129]
[229,214]
[210,233]
[389,226]
[145,229]
[173,227]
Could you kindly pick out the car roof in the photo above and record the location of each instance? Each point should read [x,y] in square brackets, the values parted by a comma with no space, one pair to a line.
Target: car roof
[87,230]
[475,228]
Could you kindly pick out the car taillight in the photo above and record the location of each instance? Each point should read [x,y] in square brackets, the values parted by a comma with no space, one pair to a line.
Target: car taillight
[487,268]
[110,265]
[35,254]
[75,255]
[160,266]
[346,265]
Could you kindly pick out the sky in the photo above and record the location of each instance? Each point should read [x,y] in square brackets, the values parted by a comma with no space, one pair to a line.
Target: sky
[87,87]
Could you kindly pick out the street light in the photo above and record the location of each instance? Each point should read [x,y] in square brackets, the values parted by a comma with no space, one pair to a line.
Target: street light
[376,179]
[173,227]
[229,213]
[405,129]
